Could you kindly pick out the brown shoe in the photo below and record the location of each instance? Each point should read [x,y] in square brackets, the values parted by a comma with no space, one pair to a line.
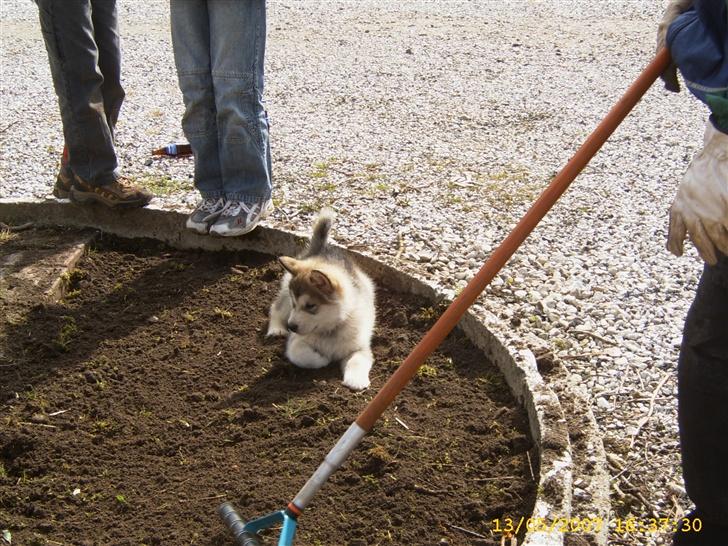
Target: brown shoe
[119,193]
[64,180]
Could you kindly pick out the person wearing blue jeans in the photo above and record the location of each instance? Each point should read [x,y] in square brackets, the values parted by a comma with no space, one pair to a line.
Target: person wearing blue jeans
[696,33]
[82,41]
[219,49]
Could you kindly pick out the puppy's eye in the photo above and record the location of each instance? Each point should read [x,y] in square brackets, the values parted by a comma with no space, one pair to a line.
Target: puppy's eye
[310,308]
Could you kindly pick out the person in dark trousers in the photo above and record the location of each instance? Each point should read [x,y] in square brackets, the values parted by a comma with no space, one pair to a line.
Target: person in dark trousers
[696,34]
[82,41]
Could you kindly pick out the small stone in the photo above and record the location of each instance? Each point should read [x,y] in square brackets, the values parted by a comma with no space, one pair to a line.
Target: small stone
[399,319]
[603,403]
[90,377]
[580,494]
[306,421]
[39,418]
[195,397]
[613,351]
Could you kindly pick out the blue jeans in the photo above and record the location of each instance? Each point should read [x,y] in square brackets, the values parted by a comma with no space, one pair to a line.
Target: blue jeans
[219,49]
[82,40]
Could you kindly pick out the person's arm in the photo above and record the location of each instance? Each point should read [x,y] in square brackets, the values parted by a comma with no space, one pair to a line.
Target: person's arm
[674,8]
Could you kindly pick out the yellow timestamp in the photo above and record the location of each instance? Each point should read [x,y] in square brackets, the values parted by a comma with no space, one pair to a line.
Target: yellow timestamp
[657,525]
[513,526]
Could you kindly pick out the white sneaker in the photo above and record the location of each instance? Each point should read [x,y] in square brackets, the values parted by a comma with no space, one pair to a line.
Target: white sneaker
[239,218]
[205,214]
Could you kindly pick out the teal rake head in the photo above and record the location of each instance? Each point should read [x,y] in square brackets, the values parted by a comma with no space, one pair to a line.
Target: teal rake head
[246,534]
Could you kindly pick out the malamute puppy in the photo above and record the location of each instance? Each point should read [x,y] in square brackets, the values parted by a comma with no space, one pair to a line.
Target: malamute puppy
[326,307]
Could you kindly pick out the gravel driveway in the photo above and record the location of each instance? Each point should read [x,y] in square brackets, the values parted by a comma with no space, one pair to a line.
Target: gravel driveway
[431,127]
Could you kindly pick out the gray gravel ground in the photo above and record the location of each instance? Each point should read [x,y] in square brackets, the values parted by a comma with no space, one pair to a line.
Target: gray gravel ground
[430,127]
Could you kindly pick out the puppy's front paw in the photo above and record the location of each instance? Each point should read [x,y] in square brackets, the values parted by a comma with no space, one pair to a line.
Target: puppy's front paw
[356,370]
[276,330]
[356,380]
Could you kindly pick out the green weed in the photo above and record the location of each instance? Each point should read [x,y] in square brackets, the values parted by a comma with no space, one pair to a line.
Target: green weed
[67,333]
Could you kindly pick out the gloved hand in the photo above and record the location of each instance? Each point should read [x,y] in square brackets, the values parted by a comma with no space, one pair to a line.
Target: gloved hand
[700,208]
[674,8]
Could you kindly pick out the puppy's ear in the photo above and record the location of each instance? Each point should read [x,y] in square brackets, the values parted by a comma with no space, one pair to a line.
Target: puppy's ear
[290,264]
[322,282]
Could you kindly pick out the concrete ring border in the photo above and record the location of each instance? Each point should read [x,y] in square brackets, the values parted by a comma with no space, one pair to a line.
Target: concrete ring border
[547,423]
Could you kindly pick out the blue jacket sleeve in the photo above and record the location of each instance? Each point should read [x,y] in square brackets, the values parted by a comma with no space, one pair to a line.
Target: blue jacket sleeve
[698,43]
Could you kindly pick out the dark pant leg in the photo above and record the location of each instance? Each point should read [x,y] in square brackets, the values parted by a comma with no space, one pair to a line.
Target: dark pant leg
[703,396]
[106,33]
[68,32]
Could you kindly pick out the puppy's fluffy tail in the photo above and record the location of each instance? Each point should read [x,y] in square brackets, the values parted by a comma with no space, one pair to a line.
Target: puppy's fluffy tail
[321,230]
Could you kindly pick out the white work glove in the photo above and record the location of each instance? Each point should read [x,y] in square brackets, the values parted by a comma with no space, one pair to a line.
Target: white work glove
[674,8]
[700,208]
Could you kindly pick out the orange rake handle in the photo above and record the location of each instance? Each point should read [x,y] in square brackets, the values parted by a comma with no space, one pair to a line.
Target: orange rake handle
[510,244]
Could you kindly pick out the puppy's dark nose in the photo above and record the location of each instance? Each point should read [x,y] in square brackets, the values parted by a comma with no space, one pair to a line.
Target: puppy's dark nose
[292,327]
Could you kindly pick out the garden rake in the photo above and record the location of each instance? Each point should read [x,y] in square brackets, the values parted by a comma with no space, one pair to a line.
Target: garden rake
[246,534]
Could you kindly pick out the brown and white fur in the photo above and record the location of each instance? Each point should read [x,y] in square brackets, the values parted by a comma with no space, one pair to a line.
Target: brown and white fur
[326,308]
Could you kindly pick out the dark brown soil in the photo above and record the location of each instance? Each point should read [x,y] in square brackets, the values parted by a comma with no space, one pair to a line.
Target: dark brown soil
[147,397]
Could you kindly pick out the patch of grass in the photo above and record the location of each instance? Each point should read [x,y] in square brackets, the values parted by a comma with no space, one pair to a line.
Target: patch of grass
[7,235]
[316,205]
[178,266]
[325,421]
[446,460]
[3,472]
[67,333]
[426,314]
[103,425]
[320,169]
[37,398]
[293,408]
[380,453]
[427,371]
[100,361]
[326,186]
[15,319]
[222,313]
[162,184]
[510,186]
